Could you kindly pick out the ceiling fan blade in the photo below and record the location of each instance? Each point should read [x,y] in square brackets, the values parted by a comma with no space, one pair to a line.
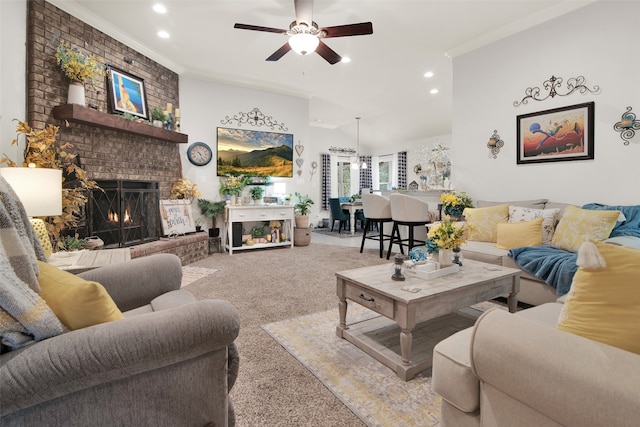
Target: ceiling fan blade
[327,53]
[280,52]
[304,11]
[258,28]
[360,29]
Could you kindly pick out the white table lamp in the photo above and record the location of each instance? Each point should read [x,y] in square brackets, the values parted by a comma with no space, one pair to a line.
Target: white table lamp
[40,191]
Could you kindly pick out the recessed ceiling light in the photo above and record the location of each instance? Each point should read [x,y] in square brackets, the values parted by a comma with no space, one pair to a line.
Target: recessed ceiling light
[159,8]
[345,59]
[163,34]
[434,91]
[428,74]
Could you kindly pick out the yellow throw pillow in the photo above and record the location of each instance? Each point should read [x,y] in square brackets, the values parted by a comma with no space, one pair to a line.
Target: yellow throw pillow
[483,222]
[76,302]
[579,225]
[604,304]
[516,234]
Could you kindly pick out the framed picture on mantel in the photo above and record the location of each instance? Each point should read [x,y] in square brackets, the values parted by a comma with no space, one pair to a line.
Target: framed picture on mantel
[126,93]
[561,134]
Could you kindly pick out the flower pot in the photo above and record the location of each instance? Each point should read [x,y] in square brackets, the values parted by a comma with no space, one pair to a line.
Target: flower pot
[302,221]
[76,94]
[158,123]
[446,257]
[214,232]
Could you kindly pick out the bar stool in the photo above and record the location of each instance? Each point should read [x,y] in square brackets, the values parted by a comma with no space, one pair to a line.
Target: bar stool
[410,212]
[377,210]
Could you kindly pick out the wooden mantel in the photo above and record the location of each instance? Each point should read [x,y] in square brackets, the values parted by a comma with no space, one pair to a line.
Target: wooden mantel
[79,114]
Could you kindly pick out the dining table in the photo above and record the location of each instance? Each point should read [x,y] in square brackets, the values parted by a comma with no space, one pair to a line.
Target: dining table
[352,207]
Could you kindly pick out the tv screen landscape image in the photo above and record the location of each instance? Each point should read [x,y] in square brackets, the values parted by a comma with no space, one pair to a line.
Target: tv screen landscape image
[254,153]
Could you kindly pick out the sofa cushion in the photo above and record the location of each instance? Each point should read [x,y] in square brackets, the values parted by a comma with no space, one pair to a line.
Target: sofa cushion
[604,303]
[78,303]
[550,218]
[579,225]
[483,222]
[535,204]
[451,359]
[523,233]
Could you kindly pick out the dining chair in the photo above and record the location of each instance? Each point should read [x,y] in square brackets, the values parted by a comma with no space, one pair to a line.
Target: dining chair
[337,214]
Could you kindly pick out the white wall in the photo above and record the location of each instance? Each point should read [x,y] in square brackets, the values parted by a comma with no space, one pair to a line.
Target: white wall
[598,42]
[203,104]
[13,69]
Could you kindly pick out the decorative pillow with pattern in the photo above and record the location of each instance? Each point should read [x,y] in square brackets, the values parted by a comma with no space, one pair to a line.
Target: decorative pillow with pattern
[579,225]
[549,217]
[483,222]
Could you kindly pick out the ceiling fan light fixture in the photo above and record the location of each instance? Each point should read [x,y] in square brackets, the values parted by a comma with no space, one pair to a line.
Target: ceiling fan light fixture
[303,43]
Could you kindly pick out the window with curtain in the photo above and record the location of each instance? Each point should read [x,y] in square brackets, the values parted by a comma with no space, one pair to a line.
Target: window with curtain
[344,179]
[384,174]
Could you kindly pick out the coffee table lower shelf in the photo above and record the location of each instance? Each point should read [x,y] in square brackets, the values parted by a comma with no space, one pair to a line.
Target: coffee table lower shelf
[379,337]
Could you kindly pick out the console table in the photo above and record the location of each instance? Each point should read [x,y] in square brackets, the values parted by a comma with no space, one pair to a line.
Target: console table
[260,213]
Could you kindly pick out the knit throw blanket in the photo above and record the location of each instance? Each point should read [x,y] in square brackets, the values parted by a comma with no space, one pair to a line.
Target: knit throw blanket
[24,316]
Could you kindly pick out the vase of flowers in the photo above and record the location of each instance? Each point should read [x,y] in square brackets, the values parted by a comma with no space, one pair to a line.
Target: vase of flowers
[79,68]
[447,235]
[232,186]
[454,203]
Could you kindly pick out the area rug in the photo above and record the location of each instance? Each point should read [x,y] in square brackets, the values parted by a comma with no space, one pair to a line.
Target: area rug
[369,389]
[192,274]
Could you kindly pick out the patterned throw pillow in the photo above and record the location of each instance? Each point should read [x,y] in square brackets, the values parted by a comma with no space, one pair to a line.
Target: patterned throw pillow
[579,225]
[483,222]
[604,303]
[549,217]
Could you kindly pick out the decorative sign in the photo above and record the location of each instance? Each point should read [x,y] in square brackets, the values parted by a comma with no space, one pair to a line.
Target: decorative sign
[176,217]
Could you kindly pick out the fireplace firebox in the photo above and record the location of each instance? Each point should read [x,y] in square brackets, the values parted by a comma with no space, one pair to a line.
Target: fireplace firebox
[124,213]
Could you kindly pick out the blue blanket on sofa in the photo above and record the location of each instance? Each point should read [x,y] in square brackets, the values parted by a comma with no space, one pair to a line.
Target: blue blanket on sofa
[629,227]
[555,266]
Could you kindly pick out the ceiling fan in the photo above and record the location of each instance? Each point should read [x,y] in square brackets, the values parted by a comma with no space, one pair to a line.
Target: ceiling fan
[305,35]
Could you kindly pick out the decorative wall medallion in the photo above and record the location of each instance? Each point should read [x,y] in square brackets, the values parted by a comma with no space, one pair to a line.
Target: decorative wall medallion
[552,85]
[627,126]
[299,162]
[494,144]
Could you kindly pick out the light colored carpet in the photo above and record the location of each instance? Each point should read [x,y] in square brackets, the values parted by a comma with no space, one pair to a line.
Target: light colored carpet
[344,234]
[268,286]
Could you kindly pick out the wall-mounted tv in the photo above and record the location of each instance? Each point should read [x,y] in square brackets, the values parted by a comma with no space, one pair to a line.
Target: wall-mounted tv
[254,153]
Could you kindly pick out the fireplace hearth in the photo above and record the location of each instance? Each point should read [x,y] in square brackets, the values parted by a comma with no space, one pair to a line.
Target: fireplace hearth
[124,212]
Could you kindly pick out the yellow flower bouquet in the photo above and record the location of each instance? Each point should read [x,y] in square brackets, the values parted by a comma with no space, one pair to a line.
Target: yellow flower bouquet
[78,66]
[448,234]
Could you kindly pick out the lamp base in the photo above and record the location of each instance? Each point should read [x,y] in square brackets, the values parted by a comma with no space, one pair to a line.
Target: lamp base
[41,231]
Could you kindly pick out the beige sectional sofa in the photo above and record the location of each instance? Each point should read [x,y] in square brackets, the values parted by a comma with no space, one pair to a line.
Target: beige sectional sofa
[533,291]
[519,370]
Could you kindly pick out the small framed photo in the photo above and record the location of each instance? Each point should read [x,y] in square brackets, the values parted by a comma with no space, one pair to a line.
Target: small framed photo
[561,134]
[126,93]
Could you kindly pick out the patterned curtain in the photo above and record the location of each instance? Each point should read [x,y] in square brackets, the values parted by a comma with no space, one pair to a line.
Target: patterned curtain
[366,180]
[326,180]
[402,169]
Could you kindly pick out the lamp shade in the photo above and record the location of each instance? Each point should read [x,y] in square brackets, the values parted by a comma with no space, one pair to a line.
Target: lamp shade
[39,189]
[303,43]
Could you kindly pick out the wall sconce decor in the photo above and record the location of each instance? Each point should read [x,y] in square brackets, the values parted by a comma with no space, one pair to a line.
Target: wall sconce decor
[627,126]
[495,144]
[554,83]
[254,117]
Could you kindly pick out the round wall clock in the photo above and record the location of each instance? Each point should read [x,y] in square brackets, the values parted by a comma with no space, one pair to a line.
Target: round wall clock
[199,153]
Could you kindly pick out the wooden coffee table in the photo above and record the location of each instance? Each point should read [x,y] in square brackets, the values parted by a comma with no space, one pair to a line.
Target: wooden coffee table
[429,314]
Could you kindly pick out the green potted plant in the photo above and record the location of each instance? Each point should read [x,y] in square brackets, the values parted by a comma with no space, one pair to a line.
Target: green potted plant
[256,193]
[233,186]
[211,209]
[302,209]
[158,117]
[72,243]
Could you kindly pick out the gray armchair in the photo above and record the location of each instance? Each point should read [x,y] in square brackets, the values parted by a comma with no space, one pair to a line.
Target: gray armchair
[170,362]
